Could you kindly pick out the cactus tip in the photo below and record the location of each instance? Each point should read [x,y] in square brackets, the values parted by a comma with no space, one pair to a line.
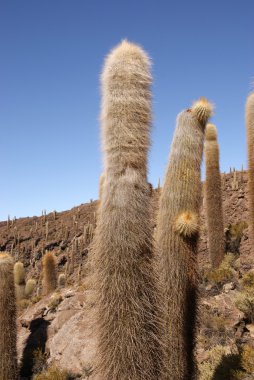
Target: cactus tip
[187,224]
[203,109]
[127,52]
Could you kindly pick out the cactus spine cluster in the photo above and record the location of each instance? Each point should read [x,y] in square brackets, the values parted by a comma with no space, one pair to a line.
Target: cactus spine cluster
[176,239]
[49,273]
[213,197]
[123,276]
[250,139]
[8,351]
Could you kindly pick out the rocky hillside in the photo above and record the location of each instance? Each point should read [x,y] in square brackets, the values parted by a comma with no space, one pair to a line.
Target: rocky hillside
[54,331]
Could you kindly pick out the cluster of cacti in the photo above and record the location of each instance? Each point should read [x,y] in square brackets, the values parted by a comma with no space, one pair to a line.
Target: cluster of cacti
[8,350]
[176,239]
[213,197]
[145,295]
[49,273]
[126,300]
[23,289]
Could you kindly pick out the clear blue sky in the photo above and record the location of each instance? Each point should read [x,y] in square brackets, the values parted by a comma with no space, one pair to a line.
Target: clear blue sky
[52,53]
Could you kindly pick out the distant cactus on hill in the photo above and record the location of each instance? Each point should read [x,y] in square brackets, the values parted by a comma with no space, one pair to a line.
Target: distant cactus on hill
[49,273]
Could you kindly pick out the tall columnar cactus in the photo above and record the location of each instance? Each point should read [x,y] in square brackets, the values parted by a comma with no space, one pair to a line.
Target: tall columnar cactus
[49,273]
[123,276]
[19,278]
[8,353]
[88,233]
[250,139]
[213,197]
[176,239]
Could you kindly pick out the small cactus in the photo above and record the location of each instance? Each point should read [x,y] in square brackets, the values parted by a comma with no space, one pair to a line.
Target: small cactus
[61,280]
[67,268]
[234,184]
[30,286]
[79,273]
[19,273]
[49,273]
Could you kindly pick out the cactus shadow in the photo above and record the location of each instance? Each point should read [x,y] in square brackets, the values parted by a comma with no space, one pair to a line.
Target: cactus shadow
[227,365]
[36,342]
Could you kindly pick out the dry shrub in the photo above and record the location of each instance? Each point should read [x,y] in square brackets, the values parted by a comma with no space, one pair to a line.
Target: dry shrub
[247,358]
[247,280]
[238,228]
[208,367]
[224,273]
[39,361]
[215,322]
[223,363]
[214,329]
[245,302]
[35,299]
[52,373]
[233,235]
[55,300]
[23,304]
